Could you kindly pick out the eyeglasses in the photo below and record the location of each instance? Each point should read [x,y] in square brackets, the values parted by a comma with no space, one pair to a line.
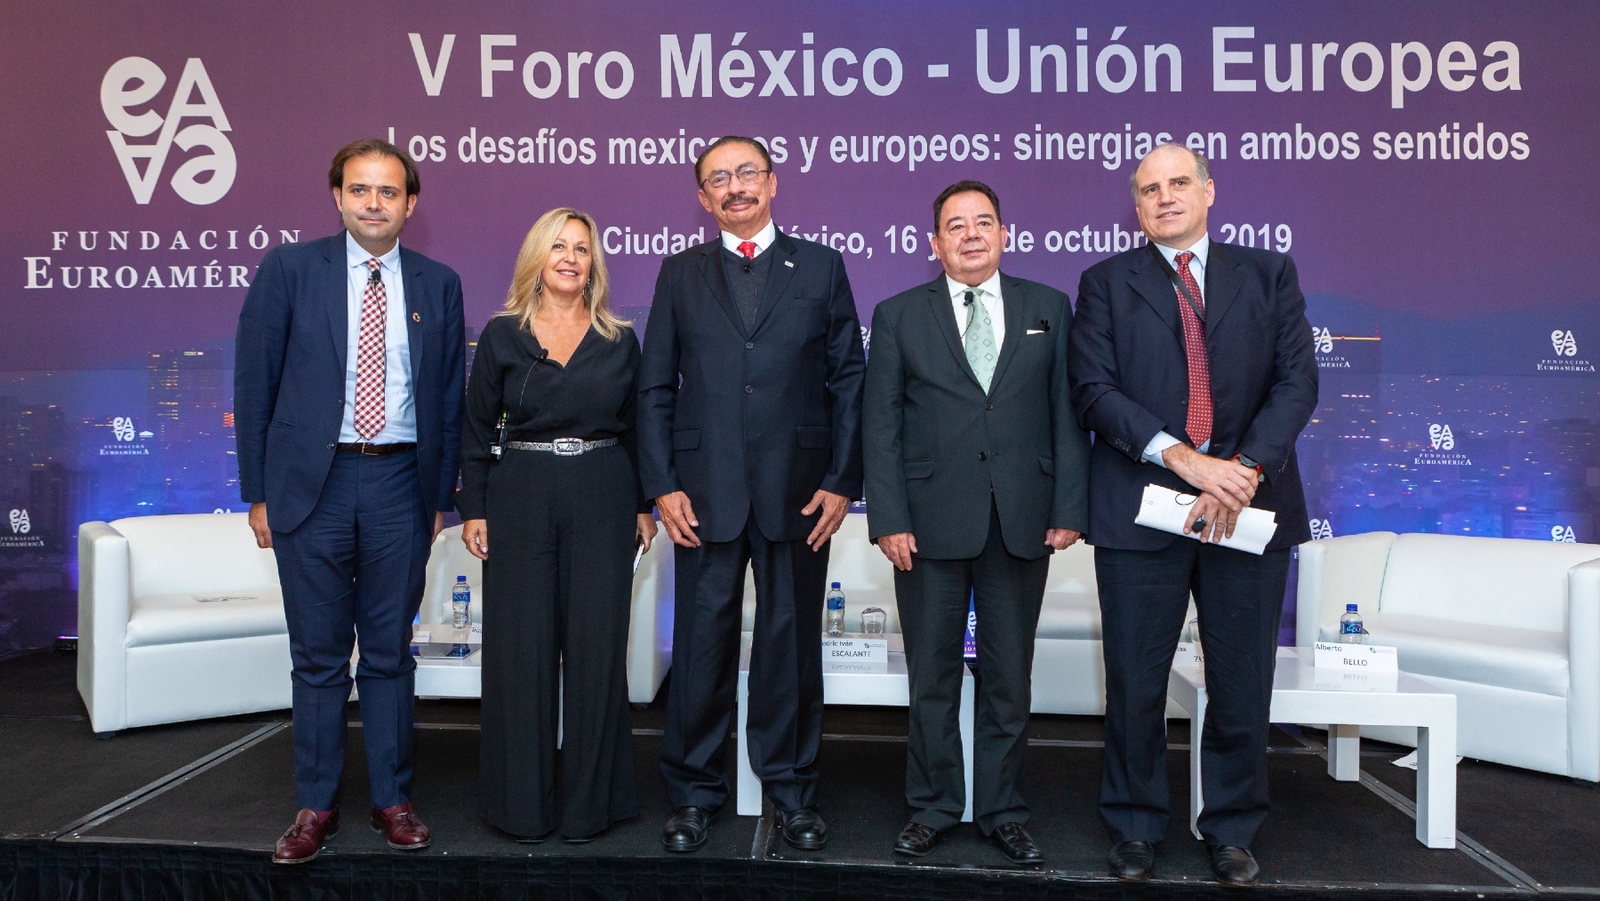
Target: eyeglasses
[747,175]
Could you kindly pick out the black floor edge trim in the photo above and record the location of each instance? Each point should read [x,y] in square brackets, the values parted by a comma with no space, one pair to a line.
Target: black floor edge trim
[31,869]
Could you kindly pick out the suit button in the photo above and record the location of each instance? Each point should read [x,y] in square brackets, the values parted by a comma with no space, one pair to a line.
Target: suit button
[749,345]
[340,402]
[749,390]
[1185,402]
[332,446]
[982,455]
[988,406]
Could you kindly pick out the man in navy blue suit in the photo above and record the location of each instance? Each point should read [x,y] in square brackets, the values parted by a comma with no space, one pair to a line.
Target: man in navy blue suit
[1191,361]
[348,394]
[750,442]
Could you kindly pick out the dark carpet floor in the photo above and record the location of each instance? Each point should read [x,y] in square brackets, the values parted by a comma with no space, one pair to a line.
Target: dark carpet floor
[188,790]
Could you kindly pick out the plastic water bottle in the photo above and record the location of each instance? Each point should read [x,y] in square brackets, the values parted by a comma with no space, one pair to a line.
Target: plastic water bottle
[835,610]
[1350,627]
[460,604]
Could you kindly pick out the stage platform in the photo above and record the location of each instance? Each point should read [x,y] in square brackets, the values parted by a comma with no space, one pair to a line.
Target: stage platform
[192,810]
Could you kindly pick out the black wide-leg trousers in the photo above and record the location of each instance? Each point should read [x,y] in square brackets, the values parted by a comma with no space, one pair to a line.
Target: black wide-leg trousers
[557,593]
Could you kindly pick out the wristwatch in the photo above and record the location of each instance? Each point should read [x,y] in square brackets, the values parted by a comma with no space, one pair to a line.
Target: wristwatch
[1261,474]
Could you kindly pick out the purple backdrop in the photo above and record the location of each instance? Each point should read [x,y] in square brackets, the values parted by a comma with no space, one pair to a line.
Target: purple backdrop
[1417,165]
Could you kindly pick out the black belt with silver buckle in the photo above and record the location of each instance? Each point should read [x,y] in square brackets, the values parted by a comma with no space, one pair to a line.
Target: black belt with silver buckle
[562,447]
[375,450]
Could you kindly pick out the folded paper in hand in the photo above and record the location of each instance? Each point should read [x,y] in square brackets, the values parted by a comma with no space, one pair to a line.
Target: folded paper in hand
[1165,509]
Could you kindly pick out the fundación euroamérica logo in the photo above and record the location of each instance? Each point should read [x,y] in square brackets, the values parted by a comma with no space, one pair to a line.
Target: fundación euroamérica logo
[194,123]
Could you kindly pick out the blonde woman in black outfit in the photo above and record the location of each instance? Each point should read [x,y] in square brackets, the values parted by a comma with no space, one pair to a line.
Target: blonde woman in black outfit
[563,507]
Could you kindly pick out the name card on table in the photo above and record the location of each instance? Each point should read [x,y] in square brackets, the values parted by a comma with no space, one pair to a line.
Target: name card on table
[471,635]
[1189,654]
[1360,658]
[855,655]
[441,641]
[1340,679]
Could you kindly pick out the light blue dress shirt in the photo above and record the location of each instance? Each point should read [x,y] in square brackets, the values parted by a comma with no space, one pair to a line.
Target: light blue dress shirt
[399,407]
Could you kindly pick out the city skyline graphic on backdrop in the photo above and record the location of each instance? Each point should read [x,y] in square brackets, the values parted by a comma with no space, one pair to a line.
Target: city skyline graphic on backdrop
[1508,454]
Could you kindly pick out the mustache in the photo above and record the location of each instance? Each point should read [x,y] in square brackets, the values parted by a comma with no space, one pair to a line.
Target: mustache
[732,199]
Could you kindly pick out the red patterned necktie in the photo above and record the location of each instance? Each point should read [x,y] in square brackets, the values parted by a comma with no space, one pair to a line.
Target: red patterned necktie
[1194,347]
[748,248]
[369,355]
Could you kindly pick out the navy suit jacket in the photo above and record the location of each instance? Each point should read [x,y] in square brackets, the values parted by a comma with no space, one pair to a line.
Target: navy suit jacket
[755,419]
[289,376]
[937,447]
[1129,378]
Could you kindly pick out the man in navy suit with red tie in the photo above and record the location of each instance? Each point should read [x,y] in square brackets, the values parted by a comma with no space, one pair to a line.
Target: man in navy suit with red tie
[348,389]
[750,443]
[1191,361]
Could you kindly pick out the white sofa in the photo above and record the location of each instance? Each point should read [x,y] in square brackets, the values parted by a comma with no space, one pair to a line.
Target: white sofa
[1068,665]
[179,618]
[1512,627]
[650,626]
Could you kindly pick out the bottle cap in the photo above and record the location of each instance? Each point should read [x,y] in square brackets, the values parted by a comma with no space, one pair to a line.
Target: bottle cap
[836,585]
[461,578]
[1350,608]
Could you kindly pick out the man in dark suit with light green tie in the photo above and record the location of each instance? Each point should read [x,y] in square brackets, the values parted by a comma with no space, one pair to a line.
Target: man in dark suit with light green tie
[976,471]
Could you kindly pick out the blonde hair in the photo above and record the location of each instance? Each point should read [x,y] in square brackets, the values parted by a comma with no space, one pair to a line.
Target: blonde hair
[524,297]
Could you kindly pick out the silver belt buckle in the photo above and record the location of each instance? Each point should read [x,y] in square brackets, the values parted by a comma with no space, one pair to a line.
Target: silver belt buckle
[567,447]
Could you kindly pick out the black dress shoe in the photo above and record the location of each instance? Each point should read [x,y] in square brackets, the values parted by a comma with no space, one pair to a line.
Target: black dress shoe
[1015,843]
[916,839]
[803,829]
[687,830]
[1234,866]
[1132,861]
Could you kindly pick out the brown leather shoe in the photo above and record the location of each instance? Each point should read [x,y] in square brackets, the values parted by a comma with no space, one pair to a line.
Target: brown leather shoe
[401,827]
[304,839]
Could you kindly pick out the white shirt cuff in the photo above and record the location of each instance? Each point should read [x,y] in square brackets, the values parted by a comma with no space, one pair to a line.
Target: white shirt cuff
[1158,445]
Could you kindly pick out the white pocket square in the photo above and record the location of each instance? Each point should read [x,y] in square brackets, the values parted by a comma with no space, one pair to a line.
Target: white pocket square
[1037,331]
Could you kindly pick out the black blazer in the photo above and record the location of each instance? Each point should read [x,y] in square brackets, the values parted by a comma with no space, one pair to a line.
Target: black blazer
[936,446]
[752,420]
[289,371]
[1130,380]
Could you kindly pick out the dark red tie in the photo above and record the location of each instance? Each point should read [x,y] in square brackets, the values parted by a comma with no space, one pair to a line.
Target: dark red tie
[1194,347]
[370,414]
[748,248]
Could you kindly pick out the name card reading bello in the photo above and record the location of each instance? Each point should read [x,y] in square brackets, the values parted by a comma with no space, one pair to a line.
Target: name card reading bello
[855,655]
[1358,658]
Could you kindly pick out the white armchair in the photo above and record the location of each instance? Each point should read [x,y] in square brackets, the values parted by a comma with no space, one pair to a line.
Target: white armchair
[179,618]
[1511,626]
[650,623]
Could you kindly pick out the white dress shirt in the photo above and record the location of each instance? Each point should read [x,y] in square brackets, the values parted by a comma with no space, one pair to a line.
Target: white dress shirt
[763,239]
[399,407]
[988,292]
[1197,268]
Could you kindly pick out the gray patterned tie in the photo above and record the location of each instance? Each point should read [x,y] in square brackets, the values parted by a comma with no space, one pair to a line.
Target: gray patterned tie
[979,340]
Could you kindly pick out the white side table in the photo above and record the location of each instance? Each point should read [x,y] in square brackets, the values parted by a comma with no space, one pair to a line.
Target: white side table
[886,689]
[1302,694]
[449,677]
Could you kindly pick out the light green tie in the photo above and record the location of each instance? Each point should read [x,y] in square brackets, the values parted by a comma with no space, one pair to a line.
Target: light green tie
[979,340]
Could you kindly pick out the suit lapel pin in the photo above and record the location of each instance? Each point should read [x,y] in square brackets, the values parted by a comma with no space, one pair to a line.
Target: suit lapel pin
[416,317]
